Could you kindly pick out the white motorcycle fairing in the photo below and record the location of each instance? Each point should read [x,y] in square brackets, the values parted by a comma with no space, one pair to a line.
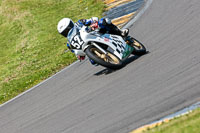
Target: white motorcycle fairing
[80,39]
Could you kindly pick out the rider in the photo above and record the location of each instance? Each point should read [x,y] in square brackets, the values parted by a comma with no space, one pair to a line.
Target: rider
[104,25]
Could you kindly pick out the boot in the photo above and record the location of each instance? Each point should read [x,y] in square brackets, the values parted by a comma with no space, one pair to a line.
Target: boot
[124,32]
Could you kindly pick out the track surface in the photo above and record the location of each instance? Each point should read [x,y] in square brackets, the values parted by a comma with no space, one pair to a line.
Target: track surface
[84,99]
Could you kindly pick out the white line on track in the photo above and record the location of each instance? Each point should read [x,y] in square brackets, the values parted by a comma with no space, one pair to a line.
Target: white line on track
[130,23]
[37,85]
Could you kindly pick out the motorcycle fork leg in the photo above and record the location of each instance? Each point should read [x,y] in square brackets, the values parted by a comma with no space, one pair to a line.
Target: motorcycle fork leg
[97,46]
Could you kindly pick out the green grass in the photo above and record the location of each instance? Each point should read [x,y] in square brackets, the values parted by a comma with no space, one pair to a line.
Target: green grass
[31,49]
[189,123]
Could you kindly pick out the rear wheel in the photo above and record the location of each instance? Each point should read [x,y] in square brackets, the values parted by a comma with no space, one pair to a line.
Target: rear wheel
[108,60]
[139,48]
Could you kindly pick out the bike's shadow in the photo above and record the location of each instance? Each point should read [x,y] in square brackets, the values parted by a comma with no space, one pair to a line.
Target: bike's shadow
[107,71]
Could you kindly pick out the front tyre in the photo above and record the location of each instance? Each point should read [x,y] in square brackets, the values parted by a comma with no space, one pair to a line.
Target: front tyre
[109,60]
[139,48]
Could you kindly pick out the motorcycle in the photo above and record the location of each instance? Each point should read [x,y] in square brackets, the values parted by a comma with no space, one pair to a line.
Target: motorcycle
[107,50]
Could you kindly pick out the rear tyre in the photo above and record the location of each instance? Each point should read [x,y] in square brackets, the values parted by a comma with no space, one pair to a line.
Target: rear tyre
[110,60]
[139,48]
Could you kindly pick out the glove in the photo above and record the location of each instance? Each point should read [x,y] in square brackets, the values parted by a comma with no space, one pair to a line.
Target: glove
[94,26]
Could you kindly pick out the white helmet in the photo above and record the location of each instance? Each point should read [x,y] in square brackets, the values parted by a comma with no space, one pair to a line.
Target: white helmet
[64,26]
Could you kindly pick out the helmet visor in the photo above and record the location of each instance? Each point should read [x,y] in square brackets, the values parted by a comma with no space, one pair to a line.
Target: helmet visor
[69,27]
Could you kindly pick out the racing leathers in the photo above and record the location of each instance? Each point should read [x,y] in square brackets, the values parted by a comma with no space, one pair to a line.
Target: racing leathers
[105,26]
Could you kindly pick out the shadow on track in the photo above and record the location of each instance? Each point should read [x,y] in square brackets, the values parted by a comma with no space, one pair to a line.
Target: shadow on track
[107,71]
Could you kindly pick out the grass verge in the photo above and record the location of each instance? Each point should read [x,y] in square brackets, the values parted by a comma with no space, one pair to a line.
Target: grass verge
[189,123]
[31,49]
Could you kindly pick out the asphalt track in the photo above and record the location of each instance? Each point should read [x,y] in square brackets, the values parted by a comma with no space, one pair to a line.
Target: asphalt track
[89,99]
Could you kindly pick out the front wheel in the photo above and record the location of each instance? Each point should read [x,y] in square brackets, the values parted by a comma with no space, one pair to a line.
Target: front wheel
[139,48]
[109,60]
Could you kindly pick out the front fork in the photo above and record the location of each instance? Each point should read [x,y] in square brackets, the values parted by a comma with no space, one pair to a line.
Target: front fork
[132,42]
[97,46]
